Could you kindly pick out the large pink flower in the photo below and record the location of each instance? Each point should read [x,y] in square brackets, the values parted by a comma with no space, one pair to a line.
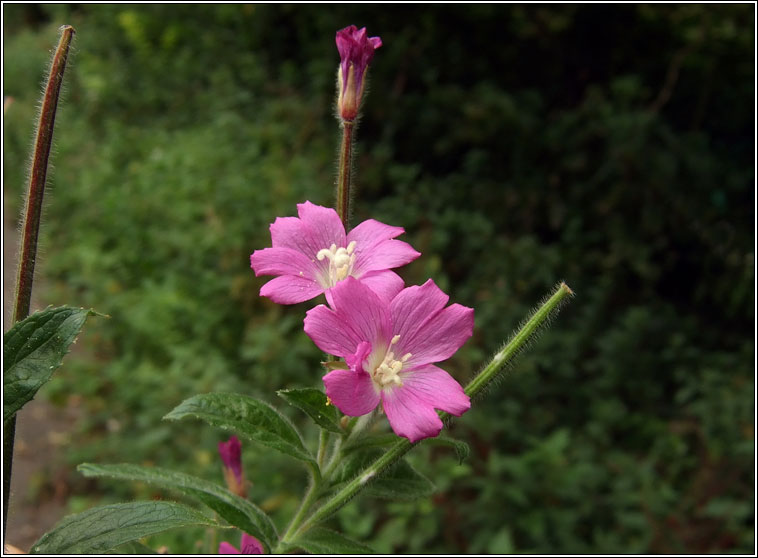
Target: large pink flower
[311,254]
[390,348]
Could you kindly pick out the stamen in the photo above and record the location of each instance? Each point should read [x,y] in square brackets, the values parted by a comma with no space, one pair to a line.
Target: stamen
[341,261]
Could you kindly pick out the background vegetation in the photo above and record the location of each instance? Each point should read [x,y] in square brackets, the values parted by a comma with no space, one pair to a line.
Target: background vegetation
[608,146]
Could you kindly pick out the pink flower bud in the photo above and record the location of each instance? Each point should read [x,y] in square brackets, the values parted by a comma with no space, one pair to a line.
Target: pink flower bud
[356,52]
[231,455]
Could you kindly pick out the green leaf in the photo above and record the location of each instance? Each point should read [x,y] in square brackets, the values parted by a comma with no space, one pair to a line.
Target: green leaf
[248,417]
[238,511]
[313,402]
[33,348]
[132,547]
[370,441]
[324,541]
[98,530]
[401,481]
[462,449]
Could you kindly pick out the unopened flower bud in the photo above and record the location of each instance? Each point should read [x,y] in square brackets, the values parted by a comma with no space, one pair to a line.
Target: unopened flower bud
[231,455]
[356,52]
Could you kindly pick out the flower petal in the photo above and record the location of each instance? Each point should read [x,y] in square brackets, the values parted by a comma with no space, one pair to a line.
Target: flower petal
[330,333]
[386,284]
[289,289]
[439,337]
[413,306]
[250,545]
[437,388]
[322,224]
[283,261]
[409,416]
[387,254]
[355,362]
[352,392]
[288,232]
[359,307]
[372,232]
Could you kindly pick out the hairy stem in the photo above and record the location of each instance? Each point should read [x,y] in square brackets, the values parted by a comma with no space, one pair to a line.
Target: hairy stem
[401,447]
[344,173]
[32,216]
[310,498]
[323,442]
[518,341]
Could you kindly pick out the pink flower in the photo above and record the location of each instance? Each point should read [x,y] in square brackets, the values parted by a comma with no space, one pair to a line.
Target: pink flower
[231,455]
[311,254]
[390,348]
[356,52]
[250,545]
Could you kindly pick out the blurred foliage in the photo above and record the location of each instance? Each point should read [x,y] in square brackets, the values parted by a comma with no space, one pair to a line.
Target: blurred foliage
[609,146]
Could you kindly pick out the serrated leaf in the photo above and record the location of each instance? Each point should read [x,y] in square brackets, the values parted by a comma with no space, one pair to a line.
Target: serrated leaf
[237,511]
[324,541]
[462,449]
[313,402]
[101,529]
[33,348]
[248,417]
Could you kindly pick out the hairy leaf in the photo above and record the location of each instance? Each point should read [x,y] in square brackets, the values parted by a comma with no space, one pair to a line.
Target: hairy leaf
[238,511]
[248,417]
[132,547]
[98,530]
[33,348]
[313,402]
[324,541]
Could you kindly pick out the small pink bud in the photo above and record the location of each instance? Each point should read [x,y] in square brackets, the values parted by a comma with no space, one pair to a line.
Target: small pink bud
[231,455]
[356,52]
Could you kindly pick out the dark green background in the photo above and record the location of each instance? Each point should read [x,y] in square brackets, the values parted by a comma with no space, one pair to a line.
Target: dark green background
[610,146]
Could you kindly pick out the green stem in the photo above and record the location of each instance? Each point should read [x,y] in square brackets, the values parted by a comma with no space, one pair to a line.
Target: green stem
[511,349]
[32,216]
[310,498]
[335,459]
[323,442]
[342,497]
[344,173]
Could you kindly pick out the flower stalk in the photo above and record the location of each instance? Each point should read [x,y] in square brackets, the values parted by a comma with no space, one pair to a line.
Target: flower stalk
[539,319]
[30,228]
[344,173]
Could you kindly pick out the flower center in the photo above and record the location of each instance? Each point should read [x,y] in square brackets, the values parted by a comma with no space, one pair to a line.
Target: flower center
[341,261]
[389,369]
